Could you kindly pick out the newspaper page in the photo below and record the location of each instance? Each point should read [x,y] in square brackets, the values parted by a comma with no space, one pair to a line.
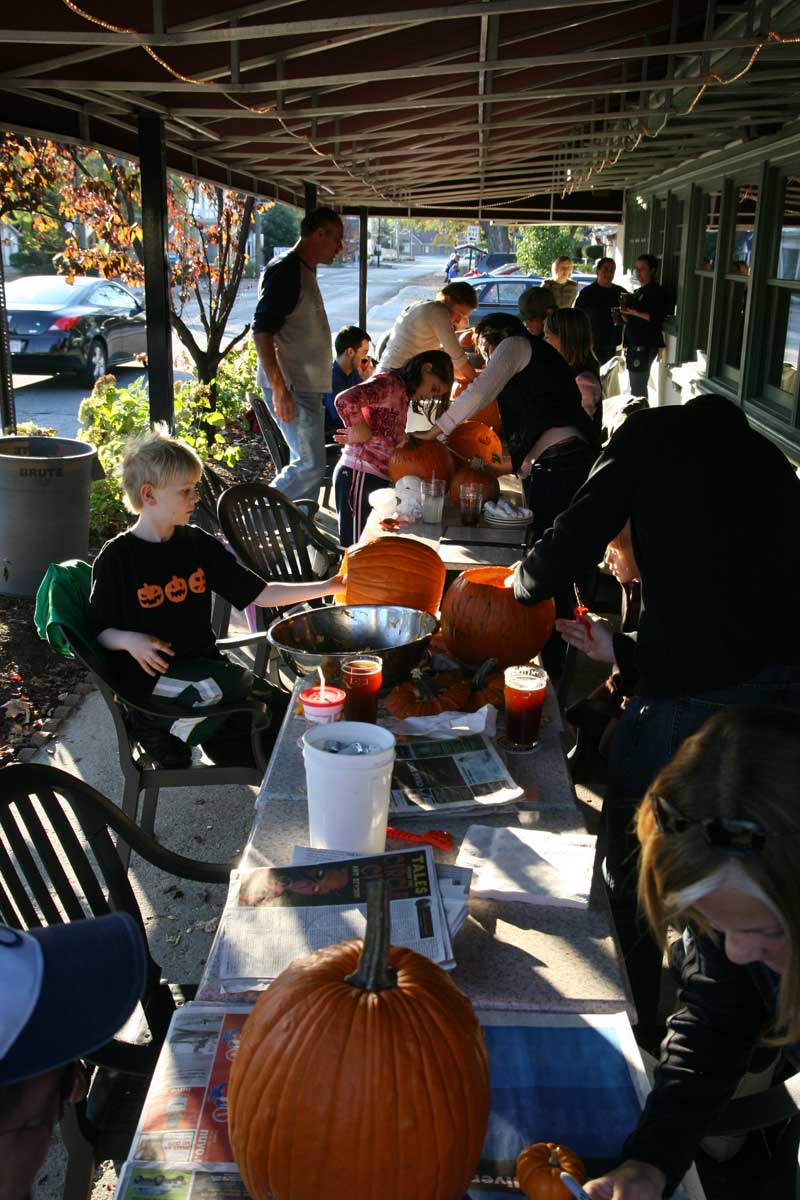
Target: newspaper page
[284,913]
[454,882]
[186,1181]
[531,866]
[460,775]
[185,1116]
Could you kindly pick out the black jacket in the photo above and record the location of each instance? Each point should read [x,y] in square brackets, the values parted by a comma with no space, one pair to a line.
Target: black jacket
[723,1011]
[715,513]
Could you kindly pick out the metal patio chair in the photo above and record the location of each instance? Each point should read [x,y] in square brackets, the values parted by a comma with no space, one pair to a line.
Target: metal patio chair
[58,863]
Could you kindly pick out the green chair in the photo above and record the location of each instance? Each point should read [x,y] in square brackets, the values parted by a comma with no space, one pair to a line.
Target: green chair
[62,606]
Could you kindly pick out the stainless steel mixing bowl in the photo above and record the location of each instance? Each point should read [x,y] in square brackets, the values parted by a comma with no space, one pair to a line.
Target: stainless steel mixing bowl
[323,637]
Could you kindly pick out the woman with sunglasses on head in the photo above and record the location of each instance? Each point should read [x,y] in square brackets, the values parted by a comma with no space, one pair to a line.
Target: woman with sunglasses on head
[719,831]
[568,331]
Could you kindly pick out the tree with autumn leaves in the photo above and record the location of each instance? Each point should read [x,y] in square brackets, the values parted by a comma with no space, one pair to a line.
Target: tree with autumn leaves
[77,187]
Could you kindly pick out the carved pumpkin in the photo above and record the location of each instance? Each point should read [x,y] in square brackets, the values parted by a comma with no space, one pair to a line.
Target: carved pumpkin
[487,687]
[481,619]
[395,570]
[361,1071]
[197,581]
[424,695]
[176,590]
[472,439]
[489,485]
[490,415]
[426,460]
[150,595]
[539,1168]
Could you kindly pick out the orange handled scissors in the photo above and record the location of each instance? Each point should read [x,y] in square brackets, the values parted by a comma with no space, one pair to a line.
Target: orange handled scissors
[580,610]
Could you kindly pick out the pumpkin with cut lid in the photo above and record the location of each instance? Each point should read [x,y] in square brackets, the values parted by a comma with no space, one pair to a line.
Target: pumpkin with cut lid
[482,619]
[361,1072]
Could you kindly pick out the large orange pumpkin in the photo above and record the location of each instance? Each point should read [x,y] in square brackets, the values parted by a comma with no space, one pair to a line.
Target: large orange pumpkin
[489,485]
[361,1071]
[539,1170]
[395,570]
[426,460]
[472,439]
[481,619]
[490,415]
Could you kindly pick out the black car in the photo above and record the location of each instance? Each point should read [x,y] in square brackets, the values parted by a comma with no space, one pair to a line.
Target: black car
[84,326]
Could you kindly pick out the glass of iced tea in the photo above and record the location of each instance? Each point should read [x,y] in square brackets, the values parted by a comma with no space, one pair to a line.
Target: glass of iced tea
[471,498]
[524,689]
[362,676]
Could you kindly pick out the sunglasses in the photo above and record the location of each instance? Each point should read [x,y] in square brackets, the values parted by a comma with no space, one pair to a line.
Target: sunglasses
[726,833]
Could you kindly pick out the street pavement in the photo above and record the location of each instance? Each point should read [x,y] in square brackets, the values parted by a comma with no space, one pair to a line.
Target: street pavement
[54,401]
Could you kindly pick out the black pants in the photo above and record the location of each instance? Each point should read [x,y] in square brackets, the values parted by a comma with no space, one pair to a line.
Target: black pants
[639,360]
[351,490]
[553,481]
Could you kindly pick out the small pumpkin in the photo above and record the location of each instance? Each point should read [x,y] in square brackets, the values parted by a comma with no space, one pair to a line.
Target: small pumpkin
[361,1071]
[150,595]
[481,619]
[473,439]
[426,460]
[465,474]
[487,687]
[176,590]
[425,695]
[394,570]
[539,1169]
[197,581]
[490,415]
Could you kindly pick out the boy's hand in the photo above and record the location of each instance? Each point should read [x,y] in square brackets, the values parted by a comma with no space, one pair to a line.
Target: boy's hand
[148,652]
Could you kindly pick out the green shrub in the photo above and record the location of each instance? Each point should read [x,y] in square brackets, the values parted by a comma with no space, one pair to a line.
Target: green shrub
[236,376]
[111,416]
[31,429]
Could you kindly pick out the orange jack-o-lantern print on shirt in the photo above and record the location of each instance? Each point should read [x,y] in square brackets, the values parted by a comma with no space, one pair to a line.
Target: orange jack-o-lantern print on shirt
[197,581]
[176,590]
[150,595]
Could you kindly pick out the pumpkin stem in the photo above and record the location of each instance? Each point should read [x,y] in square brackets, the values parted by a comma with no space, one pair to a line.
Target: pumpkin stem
[373,973]
[483,673]
[554,1159]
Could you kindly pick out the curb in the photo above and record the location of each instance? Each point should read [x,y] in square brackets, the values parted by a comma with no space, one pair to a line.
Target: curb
[70,701]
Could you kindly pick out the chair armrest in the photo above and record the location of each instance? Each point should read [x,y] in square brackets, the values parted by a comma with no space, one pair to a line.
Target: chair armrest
[177,711]
[166,860]
[132,1058]
[309,508]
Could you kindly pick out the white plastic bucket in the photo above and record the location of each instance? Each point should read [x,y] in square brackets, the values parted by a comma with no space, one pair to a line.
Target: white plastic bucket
[348,794]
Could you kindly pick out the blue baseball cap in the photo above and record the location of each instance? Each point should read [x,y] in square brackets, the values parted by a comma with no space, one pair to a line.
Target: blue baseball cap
[65,990]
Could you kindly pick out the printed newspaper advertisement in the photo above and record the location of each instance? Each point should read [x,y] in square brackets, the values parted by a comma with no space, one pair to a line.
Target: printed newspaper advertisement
[277,914]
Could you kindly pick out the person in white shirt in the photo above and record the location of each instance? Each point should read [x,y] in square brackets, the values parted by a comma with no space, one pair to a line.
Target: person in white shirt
[431,325]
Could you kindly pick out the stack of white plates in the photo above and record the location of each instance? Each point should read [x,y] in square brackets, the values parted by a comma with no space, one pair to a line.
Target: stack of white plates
[520,518]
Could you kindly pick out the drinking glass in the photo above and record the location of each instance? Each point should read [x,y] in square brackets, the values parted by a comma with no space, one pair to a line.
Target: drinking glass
[471,497]
[433,497]
[524,689]
[362,676]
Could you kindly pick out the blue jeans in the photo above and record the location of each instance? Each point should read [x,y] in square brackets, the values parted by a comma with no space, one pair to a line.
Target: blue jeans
[305,437]
[646,739]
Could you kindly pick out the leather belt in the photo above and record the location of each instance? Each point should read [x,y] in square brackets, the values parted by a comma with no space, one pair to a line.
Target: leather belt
[567,444]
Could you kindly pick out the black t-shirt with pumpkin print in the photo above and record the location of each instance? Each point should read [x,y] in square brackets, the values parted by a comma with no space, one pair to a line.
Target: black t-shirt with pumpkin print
[164,589]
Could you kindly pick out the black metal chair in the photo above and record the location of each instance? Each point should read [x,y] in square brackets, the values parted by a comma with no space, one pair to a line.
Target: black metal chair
[211,487]
[273,537]
[279,451]
[141,774]
[58,863]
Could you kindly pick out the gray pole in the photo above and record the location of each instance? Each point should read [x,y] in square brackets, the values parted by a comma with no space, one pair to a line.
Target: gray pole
[153,168]
[310,196]
[363,263]
[8,413]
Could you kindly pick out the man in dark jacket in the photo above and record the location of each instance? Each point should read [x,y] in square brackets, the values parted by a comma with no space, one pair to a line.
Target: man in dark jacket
[714,510]
[598,301]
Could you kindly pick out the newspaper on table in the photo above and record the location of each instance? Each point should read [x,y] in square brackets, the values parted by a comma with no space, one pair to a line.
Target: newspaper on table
[454,882]
[529,865]
[437,775]
[277,914]
[552,1073]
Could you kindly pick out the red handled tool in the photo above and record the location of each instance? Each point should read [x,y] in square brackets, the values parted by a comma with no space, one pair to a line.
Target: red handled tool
[432,837]
[580,610]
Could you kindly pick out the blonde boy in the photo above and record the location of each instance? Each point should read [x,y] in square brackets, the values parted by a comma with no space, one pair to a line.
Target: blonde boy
[151,592]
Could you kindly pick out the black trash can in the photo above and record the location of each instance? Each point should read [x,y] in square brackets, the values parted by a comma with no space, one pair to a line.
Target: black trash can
[44,507]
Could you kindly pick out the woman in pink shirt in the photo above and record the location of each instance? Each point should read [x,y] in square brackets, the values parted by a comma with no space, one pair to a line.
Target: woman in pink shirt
[374,414]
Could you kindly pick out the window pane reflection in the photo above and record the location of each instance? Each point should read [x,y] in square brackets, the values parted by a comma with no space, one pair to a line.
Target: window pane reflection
[735,302]
[788,264]
[742,247]
[707,249]
[784,355]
